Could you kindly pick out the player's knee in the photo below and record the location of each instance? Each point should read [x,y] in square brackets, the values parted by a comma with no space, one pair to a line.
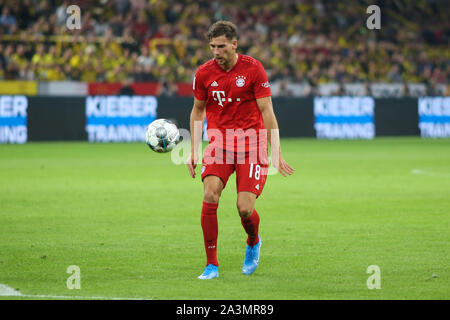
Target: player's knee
[211,196]
[244,210]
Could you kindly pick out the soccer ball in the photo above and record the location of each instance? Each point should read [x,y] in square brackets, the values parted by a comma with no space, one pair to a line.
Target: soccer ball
[162,135]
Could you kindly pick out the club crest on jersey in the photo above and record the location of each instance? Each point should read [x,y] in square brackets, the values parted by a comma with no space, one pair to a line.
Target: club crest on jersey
[240,81]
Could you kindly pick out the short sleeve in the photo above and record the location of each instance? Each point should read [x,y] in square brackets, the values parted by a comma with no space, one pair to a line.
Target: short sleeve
[261,85]
[198,87]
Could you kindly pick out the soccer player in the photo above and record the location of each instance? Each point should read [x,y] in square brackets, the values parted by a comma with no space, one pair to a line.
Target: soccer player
[234,91]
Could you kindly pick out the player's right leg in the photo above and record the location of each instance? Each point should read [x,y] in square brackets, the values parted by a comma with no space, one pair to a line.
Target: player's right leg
[213,187]
[212,190]
[214,176]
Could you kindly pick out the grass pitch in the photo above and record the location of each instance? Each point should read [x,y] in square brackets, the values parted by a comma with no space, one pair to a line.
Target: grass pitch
[130,219]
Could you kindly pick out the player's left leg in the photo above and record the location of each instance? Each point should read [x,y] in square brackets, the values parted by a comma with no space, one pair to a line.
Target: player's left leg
[251,175]
[250,222]
[249,187]
[250,181]
[249,216]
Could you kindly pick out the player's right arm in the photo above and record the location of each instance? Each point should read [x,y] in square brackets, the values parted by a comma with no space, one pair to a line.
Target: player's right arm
[196,125]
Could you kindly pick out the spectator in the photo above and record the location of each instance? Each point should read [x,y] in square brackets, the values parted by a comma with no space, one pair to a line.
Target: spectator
[167,88]
[394,74]
[282,89]
[145,58]
[6,19]
[61,14]
[126,89]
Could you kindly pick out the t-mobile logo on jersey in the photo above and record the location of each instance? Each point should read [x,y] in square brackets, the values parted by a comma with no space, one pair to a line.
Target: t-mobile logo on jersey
[219,96]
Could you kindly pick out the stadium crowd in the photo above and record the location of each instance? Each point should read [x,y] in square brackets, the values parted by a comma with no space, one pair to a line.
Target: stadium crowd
[300,41]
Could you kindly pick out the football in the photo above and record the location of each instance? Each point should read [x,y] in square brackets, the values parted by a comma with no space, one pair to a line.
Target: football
[162,135]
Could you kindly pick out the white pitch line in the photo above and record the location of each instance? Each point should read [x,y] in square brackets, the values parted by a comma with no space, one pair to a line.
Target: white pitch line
[6,291]
[76,297]
[427,173]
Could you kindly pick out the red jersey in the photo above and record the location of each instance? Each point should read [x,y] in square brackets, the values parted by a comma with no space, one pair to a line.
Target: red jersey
[231,98]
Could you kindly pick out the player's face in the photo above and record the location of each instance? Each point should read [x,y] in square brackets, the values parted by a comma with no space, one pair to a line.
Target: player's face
[224,50]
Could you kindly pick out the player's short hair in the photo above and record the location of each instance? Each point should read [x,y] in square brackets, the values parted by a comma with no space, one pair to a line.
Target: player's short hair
[222,28]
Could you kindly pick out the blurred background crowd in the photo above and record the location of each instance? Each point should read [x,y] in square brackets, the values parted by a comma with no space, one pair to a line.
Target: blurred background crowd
[303,42]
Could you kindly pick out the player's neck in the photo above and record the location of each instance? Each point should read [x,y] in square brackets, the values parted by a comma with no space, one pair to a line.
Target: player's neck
[231,64]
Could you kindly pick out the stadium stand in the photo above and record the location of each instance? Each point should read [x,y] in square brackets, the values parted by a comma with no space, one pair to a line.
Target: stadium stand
[308,47]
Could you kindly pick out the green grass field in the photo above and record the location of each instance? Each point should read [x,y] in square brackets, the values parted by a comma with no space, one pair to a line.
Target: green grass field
[130,219]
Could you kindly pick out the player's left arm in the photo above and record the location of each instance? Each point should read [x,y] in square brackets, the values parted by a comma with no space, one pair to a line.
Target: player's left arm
[273,135]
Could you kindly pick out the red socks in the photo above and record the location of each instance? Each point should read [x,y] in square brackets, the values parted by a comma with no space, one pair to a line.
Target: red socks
[210,231]
[251,226]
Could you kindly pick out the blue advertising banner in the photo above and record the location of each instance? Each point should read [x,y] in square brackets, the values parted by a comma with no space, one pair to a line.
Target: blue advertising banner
[125,118]
[119,118]
[434,117]
[344,117]
[13,119]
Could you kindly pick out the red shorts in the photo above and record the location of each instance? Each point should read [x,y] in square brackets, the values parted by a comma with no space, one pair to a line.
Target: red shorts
[251,168]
